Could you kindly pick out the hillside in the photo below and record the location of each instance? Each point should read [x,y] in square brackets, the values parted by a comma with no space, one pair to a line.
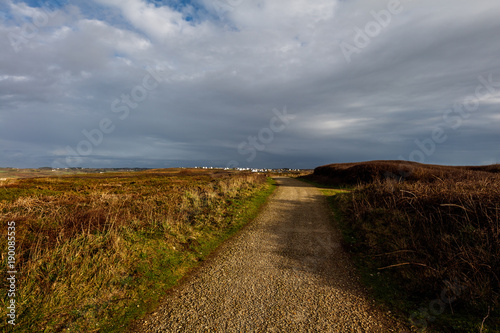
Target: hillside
[367,172]
[422,231]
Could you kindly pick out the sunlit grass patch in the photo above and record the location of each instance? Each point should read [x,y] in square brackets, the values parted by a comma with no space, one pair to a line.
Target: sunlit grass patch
[97,251]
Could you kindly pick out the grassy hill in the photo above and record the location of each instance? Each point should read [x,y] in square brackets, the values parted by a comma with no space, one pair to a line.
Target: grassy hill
[430,231]
[367,172]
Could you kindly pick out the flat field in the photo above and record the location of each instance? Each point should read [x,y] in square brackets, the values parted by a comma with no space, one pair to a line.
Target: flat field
[95,251]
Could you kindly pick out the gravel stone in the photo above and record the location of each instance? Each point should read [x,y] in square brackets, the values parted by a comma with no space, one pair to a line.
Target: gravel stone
[284,272]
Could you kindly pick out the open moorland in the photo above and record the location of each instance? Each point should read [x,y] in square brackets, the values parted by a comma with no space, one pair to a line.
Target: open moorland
[10,173]
[427,238]
[95,251]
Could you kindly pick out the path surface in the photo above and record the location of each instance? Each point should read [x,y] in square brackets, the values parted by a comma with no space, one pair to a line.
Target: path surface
[285,272]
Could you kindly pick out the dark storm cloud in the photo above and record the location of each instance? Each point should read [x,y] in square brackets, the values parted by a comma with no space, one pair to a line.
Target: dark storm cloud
[131,83]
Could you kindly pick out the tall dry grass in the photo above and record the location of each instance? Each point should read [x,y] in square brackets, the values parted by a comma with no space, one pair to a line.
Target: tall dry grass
[88,247]
[432,225]
[448,231]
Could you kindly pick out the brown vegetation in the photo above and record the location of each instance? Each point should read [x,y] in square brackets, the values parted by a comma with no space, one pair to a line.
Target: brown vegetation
[425,226]
[367,172]
[90,247]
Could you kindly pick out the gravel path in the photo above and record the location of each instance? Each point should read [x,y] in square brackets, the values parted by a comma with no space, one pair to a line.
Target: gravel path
[285,272]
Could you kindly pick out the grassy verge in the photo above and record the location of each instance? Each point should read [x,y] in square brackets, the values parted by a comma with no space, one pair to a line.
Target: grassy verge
[96,252]
[432,249]
[322,185]
[380,285]
[429,251]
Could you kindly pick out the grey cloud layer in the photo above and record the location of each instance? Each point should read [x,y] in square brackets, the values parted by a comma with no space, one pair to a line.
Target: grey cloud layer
[221,75]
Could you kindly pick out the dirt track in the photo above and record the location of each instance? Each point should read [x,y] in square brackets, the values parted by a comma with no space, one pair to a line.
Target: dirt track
[285,272]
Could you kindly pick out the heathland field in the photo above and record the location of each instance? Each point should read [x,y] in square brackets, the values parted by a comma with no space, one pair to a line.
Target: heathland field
[95,251]
[427,238]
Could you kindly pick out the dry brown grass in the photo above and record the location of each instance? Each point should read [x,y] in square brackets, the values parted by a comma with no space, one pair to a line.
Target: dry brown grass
[425,225]
[367,172]
[88,245]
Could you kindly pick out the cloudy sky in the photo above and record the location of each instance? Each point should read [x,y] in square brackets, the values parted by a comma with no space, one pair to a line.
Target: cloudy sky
[259,83]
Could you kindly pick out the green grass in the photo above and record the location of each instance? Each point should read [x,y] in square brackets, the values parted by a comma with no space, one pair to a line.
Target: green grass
[96,252]
[155,281]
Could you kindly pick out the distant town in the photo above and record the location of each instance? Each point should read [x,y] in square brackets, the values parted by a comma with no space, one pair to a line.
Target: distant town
[254,169]
[10,172]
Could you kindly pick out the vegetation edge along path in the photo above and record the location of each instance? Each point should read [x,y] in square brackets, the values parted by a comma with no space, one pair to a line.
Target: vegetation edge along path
[99,251]
[285,272]
[439,313]
[248,211]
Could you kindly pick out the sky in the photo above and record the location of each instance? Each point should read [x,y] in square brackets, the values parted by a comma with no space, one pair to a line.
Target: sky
[248,83]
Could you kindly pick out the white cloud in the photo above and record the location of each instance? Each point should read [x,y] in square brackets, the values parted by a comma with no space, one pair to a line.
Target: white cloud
[23,11]
[297,16]
[223,73]
[156,22]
